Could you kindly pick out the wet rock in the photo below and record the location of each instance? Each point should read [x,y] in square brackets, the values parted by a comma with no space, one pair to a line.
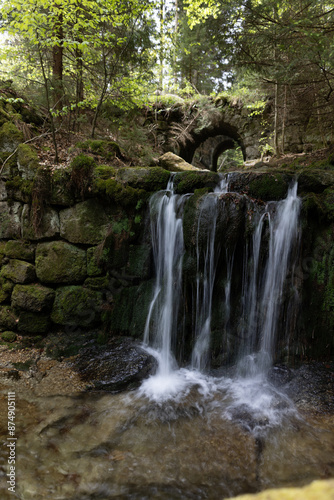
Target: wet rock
[120,365]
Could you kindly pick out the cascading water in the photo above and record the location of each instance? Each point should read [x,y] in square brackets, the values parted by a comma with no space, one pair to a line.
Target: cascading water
[267,260]
[263,297]
[167,239]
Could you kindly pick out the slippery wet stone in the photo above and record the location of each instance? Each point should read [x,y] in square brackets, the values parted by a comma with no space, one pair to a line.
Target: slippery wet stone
[119,365]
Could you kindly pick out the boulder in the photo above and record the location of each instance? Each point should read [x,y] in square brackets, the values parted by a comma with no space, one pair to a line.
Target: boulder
[173,163]
[35,298]
[86,222]
[18,271]
[77,306]
[60,262]
[10,220]
[119,365]
[317,490]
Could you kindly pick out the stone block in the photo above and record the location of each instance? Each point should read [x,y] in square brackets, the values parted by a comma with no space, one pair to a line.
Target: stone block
[86,222]
[20,249]
[18,271]
[93,268]
[27,162]
[3,192]
[35,298]
[60,262]
[77,306]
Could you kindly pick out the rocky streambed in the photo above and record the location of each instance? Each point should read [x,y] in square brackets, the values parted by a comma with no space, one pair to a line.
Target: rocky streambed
[77,441]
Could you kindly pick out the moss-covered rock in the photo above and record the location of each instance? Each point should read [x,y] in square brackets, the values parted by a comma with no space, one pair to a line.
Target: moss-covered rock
[10,137]
[10,220]
[187,182]
[150,179]
[86,222]
[27,161]
[82,167]
[6,288]
[268,187]
[44,223]
[20,249]
[118,193]
[33,323]
[105,172]
[139,262]
[19,189]
[101,148]
[8,318]
[77,306]
[174,163]
[98,283]
[35,298]
[8,336]
[130,309]
[60,262]
[328,203]
[93,258]
[61,192]
[18,271]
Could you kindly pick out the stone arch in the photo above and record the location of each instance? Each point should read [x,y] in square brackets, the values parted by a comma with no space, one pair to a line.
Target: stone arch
[229,136]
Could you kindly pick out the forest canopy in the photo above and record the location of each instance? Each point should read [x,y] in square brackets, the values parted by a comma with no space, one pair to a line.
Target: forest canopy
[69,55]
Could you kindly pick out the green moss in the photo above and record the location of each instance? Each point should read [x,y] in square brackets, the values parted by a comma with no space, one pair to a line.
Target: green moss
[8,318]
[10,137]
[188,182]
[27,159]
[31,322]
[8,336]
[97,283]
[77,306]
[6,288]
[34,298]
[82,174]
[268,187]
[126,196]
[328,201]
[103,147]
[20,189]
[20,249]
[18,271]
[104,172]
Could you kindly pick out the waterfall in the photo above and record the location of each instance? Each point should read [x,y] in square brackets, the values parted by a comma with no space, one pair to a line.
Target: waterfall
[262,307]
[204,283]
[267,259]
[168,249]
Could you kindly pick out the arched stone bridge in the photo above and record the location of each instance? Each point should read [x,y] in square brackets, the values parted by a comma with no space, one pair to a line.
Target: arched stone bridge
[218,125]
